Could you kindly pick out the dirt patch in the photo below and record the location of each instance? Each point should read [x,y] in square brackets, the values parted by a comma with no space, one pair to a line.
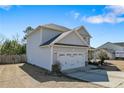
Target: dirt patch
[114,65]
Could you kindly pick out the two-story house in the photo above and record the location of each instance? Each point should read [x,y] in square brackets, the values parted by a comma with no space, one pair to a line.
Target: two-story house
[51,43]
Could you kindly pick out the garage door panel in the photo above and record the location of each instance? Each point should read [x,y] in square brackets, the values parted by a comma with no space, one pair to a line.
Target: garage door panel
[70,60]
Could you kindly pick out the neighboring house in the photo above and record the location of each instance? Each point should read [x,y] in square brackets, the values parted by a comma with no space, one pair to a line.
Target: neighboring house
[113,49]
[51,43]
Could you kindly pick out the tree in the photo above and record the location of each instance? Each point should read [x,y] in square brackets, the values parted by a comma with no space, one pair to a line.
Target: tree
[23,49]
[102,56]
[12,47]
[2,39]
[90,55]
[27,31]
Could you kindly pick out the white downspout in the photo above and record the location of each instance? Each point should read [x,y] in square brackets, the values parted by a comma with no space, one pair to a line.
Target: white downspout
[51,48]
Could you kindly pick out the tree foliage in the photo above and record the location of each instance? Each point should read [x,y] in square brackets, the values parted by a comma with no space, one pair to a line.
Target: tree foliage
[90,55]
[102,56]
[12,47]
[2,39]
[27,31]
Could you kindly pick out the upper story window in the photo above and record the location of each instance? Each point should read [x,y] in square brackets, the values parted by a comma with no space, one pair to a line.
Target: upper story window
[85,38]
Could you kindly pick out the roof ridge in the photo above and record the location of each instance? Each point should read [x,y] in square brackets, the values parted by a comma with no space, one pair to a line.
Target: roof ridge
[118,42]
[57,25]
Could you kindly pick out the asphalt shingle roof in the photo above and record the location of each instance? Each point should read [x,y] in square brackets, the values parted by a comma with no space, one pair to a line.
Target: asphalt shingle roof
[50,41]
[119,44]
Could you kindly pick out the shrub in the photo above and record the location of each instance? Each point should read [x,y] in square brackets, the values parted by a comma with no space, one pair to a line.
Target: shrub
[90,55]
[102,56]
[56,68]
[93,63]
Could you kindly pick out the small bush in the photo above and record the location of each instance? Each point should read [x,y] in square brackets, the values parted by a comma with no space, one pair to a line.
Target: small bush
[93,63]
[56,68]
[102,56]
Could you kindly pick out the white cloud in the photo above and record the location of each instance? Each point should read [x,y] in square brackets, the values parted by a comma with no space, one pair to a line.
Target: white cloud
[75,14]
[116,10]
[5,7]
[112,14]
[93,19]
[102,19]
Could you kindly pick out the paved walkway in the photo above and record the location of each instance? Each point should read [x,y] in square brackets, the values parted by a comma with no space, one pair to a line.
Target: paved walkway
[98,76]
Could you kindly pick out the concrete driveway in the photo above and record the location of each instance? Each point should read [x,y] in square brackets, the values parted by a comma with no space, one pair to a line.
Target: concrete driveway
[26,75]
[98,76]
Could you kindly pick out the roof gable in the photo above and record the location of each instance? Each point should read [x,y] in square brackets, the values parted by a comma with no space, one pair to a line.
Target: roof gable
[82,31]
[70,37]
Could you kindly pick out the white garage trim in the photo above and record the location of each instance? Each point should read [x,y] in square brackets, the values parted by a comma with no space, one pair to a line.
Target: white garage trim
[70,46]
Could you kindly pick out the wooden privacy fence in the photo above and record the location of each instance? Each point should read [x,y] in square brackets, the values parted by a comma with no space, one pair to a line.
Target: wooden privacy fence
[12,59]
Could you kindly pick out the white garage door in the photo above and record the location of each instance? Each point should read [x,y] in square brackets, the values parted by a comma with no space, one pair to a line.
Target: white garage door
[69,60]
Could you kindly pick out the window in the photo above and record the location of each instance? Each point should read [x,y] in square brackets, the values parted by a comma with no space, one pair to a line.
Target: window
[68,54]
[61,54]
[74,54]
[84,38]
[80,54]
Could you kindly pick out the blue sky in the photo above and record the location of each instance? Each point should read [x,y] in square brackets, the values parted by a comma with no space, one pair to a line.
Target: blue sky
[104,23]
